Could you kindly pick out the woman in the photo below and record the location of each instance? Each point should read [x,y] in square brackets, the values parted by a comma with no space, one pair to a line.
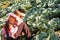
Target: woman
[23,26]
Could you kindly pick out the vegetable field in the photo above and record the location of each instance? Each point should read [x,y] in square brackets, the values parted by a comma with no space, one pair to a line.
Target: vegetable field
[42,16]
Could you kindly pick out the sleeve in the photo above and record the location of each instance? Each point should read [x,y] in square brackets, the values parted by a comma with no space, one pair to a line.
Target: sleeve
[22,14]
[3,32]
[11,29]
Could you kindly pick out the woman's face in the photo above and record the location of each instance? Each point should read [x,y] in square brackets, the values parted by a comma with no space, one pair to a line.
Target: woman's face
[18,13]
[11,20]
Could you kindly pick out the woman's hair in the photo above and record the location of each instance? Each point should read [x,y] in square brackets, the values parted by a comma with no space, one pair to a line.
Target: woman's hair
[6,26]
[21,10]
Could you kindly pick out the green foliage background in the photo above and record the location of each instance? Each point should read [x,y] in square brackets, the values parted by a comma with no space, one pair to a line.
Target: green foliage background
[41,16]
